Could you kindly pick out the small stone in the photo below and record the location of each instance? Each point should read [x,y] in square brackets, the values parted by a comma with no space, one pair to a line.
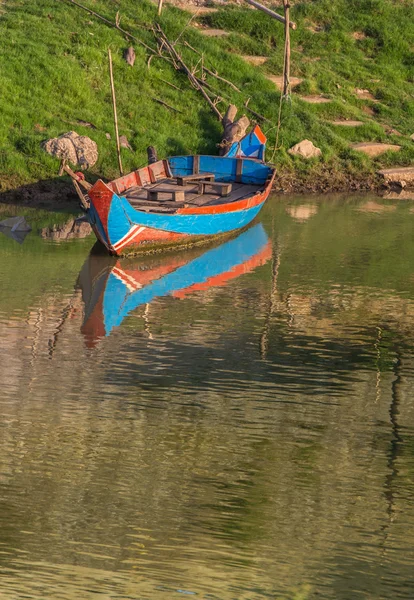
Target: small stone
[412,137]
[345,123]
[129,56]
[316,99]
[255,60]
[374,149]
[108,136]
[214,32]
[305,149]
[124,142]
[365,95]
[278,81]
[391,131]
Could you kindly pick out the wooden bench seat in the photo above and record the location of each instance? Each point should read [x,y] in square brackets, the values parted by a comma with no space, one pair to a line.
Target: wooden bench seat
[218,187]
[183,179]
[176,194]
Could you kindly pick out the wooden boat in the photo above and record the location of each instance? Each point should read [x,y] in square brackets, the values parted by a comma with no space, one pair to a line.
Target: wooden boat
[182,200]
[113,288]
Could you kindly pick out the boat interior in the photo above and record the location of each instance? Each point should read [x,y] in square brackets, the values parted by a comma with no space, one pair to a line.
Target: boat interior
[163,189]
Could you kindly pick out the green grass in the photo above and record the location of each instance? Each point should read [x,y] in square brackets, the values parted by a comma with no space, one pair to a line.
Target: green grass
[54,71]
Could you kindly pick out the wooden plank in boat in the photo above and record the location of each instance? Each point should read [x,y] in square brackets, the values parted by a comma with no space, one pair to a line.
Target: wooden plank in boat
[177,195]
[224,189]
[183,179]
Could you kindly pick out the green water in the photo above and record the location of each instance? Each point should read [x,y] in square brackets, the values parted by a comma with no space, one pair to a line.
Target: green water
[249,439]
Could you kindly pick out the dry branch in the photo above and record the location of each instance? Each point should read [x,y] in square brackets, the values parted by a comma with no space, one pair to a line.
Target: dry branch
[271,13]
[212,73]
[286,70]
[171,85]
[166,105]
[180,65]
[256,114]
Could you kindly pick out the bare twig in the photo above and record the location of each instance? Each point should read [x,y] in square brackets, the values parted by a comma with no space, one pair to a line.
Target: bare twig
[212,73]
[171,85]
[186,25]
[206,85]
[166,105]
[286,77]
[161,37]
[217,76]
[256,114]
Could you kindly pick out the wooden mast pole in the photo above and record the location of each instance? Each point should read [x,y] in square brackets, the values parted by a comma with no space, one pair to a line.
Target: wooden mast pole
[118,146]
[286,70]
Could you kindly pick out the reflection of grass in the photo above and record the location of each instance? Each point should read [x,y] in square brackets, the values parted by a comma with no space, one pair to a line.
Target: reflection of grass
[348,246]
[54,72]
[36,269]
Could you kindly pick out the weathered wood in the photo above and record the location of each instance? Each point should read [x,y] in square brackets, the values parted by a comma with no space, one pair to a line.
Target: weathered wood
[234,131]
[196,164]
[177,195]
[182,180]
[286,70]
[239,170]
[87,186]
[118,147]
[218,187]
[62,167]
[81,195]
[271,13]
[160,3]
[77,182]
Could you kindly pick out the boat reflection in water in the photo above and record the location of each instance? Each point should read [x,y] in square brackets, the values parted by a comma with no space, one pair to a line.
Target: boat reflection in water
[113,288]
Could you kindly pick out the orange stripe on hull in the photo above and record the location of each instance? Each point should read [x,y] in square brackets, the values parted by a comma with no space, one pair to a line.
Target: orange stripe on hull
[223,278]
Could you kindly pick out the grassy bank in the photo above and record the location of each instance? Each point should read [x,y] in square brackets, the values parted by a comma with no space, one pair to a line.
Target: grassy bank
[54,76]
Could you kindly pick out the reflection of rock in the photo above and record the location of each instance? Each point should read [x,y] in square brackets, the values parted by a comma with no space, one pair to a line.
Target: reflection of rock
[302,212]
[399,195]
[69,230]
[305,149]
[374,207]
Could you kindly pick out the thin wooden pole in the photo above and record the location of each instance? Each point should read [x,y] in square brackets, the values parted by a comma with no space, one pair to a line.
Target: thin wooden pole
[160,2]
[286,71]
[118,146]
[271,13]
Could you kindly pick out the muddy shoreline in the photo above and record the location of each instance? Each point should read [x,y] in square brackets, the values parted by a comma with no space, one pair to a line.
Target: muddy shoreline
[58,193]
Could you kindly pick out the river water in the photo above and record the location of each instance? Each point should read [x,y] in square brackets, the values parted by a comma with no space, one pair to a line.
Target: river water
[228,422]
